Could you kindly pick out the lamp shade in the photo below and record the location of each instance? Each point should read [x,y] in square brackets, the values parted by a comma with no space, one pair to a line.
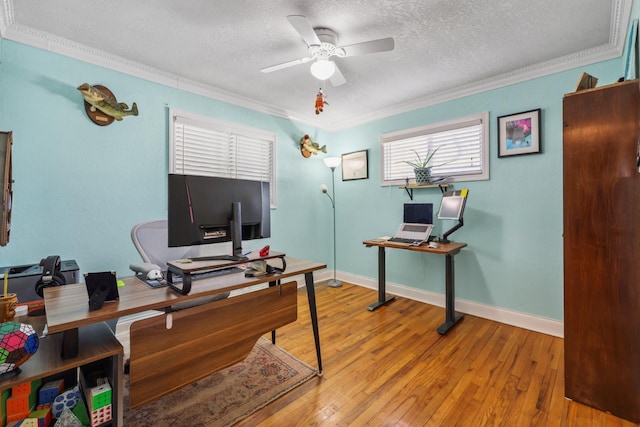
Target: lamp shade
[332,162]
[322,69]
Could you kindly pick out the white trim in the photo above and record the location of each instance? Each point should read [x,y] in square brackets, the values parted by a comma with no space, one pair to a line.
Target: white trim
[502,315]
[621,11]
[508,317]
[224,125]
[213,123]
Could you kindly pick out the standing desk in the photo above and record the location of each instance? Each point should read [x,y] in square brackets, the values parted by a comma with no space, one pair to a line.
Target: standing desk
[449,250]
[247,317]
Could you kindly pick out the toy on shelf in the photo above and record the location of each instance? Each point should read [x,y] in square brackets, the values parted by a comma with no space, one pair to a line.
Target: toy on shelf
[67,399]
[18,342]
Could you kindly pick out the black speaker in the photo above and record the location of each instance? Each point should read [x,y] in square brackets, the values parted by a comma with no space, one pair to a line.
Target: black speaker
[51,274]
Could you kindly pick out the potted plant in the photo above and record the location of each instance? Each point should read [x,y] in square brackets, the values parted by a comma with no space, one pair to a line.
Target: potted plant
[422,168]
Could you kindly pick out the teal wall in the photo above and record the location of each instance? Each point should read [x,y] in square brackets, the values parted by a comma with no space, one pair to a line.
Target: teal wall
[79,188]
[513,222]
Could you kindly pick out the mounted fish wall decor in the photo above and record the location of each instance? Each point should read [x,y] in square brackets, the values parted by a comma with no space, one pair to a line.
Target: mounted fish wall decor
[308,147]
[101,105]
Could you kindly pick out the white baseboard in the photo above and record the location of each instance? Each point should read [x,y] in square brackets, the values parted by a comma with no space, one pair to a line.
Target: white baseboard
[502,315]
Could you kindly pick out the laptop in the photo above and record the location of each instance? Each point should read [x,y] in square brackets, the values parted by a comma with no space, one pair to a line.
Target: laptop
[412,233]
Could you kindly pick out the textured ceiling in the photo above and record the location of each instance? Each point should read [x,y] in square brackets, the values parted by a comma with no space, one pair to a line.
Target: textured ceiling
[443,48]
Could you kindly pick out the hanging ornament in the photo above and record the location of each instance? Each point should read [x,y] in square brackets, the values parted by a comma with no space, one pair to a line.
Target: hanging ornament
[320,101]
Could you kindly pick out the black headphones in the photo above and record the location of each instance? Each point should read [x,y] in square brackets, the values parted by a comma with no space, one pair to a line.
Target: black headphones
[51,275]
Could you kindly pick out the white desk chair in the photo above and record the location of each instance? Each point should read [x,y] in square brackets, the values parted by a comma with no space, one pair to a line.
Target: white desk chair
[150,239]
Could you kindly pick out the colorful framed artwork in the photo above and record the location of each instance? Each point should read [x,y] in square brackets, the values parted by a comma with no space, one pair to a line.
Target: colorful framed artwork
[631,67]
[355,165]
[519,134]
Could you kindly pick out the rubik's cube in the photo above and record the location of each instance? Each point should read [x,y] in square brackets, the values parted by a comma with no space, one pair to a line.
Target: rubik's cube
[100,415]
[42,417]
[27,422]
[67,399]
[18,342]
[98,400]
[49,391]
[18,407]
[99,396]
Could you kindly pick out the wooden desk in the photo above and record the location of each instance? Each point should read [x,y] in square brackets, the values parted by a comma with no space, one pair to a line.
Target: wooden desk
[449,250]
[67,309]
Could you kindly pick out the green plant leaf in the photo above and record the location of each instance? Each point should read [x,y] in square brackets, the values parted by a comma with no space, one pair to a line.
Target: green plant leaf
[420,163]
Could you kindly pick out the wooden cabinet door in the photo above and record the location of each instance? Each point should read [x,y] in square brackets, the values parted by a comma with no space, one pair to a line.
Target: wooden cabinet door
[602,249]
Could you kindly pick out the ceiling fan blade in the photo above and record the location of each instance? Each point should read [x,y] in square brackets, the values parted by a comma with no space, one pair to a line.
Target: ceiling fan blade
[304,28]
[337,79]
[285,65]
[380,45]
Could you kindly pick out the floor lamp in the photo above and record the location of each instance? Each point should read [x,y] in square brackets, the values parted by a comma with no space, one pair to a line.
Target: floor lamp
[332,163]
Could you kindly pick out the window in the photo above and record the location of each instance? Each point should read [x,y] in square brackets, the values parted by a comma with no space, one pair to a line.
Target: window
[462,150]
[205,146]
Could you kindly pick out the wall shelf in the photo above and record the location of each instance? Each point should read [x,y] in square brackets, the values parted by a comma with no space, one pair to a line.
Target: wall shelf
[410,187]
[99,347]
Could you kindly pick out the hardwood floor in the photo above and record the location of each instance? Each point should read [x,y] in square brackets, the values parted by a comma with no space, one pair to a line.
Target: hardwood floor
[390,367]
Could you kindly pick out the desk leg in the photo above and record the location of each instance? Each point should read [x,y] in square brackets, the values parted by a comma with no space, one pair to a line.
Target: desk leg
[451,316]
[382,282]
[70,343]
[311,296]
[273,333]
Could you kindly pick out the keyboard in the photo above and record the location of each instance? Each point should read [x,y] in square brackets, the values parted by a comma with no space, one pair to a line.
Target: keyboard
[402,240]
[220,258]
[209,274]
[194,276]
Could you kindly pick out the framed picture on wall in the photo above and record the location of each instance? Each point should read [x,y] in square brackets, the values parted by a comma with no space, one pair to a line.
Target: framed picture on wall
[631,67]
[519,134]
[355,165]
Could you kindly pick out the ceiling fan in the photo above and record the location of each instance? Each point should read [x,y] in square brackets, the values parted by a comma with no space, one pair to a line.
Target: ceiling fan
[322,43]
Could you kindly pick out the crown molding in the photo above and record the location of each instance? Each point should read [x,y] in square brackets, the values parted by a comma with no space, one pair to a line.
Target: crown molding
[621,11]
[579,59]
[6,16]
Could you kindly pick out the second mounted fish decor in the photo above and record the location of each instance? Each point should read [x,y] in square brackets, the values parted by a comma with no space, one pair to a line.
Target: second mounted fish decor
[101,105]
[308,147]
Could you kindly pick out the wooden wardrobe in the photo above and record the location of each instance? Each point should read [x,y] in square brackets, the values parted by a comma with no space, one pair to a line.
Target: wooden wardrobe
[601,177]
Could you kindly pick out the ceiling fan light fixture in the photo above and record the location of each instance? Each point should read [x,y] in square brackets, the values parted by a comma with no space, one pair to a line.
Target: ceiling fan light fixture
[323,69]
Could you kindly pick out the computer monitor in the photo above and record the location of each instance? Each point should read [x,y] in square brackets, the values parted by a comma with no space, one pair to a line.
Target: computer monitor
[418,213]
[451,207]
[204,209]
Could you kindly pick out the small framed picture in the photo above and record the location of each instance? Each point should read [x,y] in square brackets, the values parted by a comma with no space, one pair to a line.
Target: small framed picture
[355,165]
[519,134]
[631,68]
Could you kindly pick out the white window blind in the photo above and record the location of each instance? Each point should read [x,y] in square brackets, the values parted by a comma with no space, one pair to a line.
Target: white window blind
[461,151]
[209,147]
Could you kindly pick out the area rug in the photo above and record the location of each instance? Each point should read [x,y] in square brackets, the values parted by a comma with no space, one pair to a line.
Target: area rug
[227,396]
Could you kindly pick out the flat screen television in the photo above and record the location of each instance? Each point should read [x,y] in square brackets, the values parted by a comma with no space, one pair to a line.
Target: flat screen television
[204,209]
